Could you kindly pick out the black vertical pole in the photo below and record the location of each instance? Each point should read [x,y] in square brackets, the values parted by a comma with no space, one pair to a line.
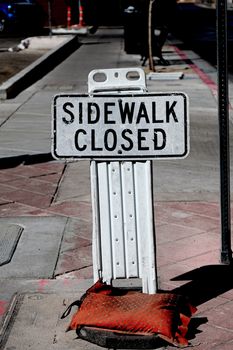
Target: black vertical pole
[150,34]
[49,18]
[223,115]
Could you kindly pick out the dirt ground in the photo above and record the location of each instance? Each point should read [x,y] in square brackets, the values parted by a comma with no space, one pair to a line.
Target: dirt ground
[13,62]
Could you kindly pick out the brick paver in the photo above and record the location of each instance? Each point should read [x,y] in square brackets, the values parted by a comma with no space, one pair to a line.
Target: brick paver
[187,235]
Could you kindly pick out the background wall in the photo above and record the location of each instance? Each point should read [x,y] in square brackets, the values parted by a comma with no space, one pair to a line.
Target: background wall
[101,12]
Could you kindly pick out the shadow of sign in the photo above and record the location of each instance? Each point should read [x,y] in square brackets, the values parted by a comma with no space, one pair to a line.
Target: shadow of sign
[205,283]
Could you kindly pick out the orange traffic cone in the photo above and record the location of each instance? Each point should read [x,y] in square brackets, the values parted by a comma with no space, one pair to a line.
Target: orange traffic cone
[81,23]
[81,20]
[68,16]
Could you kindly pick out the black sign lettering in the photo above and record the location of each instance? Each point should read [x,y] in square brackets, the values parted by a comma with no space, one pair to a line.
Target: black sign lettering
[126,112]
[142,138]
[170,110]
[93,142]
[110,136]
[76,140]
[154,114]
[108,112]
[128,139]
[70,113]
[93,113]
[160,139]
[80,113]
[142,113]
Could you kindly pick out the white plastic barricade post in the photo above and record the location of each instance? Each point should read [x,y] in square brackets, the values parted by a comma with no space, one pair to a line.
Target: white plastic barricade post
[121,128]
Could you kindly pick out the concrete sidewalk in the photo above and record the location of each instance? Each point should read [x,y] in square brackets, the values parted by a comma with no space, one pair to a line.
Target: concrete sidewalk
[48,202]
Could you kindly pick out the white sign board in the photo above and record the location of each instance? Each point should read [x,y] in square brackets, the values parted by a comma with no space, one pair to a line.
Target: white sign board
[116,126]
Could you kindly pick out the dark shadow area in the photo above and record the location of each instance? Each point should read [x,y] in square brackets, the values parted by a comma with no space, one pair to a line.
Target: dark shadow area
[19,33]
[180,61]
[174,62]
[196,27]
[102,12]
[113,340]
[193,327]
[205,283]
[96,43]
[26,33]
[26,159]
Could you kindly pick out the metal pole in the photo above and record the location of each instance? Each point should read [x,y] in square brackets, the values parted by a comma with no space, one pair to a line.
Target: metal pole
[49,17]
[223,115]
[150,48]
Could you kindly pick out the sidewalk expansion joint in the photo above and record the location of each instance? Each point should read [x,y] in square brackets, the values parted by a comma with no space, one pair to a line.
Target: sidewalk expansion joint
[70,271]
[60,246]
[42,175]
[13,113]
[54,196]
[75,249]
[6,203]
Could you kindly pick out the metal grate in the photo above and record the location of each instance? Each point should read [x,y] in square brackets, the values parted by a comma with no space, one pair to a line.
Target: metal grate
[9,237]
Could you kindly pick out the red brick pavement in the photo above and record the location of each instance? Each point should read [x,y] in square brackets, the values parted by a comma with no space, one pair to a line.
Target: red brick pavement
[188,246]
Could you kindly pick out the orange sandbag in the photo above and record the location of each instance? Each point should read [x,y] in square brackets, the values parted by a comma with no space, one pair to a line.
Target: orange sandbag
[164,314]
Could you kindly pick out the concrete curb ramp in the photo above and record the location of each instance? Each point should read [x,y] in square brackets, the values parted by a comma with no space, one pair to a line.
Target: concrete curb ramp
[35,71]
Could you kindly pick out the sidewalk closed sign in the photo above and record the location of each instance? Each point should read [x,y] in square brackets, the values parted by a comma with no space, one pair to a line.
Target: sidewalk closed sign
[115,126]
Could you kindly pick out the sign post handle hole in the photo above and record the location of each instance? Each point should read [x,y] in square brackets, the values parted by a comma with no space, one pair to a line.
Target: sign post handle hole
[99,77]
[133,75]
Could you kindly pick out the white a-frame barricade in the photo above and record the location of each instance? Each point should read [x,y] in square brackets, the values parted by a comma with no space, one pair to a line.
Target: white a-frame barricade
[121,127]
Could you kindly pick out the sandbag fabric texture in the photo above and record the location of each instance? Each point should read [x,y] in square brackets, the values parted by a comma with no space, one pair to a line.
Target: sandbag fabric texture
[166,315]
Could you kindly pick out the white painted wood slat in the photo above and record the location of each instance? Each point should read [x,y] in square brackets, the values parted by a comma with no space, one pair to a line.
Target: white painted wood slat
[129,212]
[145,226]
[124,232]
[105,234]
[116,214]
